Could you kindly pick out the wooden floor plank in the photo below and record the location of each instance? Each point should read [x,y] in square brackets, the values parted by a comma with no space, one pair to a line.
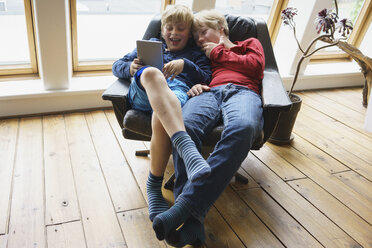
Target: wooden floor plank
[281,167]
[322,229]
[334,149]
[356,143]
[357,183]
[284,227]
[347,97]
[353,119]
[137,229]
[27,226]
[8,141]
[61,203]
[334,186]
[337,127]
[218,233]
[327,162]
[123,187]
[140,166]
[351,223]
[244,222]
[67,235]
[100,223]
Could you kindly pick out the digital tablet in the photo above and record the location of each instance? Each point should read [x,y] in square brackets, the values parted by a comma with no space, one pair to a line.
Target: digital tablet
[150,52]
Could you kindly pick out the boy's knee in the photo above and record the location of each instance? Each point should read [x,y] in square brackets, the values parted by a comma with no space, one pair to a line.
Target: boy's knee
[245,130]
[150,74]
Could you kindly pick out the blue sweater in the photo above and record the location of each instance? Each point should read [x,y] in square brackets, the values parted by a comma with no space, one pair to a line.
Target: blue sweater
[196,65]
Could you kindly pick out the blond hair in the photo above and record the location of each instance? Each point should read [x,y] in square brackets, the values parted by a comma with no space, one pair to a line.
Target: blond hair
[176,14]
[212,19]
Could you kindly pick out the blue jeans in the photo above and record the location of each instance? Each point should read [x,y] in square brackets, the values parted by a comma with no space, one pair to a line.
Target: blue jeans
[241,112]
[139,100]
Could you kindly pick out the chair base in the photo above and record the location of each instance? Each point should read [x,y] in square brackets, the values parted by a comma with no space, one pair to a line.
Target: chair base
[142,153]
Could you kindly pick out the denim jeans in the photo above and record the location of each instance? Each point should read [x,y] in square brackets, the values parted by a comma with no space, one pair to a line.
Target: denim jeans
[241,112]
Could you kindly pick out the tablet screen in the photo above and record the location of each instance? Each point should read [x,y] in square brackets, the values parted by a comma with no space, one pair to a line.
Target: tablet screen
[150,52]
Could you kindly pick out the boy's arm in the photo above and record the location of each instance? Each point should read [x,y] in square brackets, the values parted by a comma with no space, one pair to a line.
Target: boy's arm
[251,63]
[198,70]
[121,67]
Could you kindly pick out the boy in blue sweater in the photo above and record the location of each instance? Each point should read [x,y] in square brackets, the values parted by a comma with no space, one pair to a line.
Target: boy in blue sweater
[164,93]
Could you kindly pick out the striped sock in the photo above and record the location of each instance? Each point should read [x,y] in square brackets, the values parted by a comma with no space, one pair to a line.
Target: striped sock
[196,167]
[157,203]
[170,220]
[192,232]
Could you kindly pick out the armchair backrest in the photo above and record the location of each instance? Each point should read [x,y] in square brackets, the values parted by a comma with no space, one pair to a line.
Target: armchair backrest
[240,28]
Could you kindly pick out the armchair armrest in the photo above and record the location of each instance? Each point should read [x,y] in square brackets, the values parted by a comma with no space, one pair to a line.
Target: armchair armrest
[118,90]
[117,94]
[275,100]
[273,93]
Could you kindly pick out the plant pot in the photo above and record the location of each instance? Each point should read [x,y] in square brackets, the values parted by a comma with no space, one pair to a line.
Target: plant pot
[282,134]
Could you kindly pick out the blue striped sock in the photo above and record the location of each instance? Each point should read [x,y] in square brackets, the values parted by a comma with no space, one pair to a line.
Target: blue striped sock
[196,167]
[191,233]
[170,220]
[157,203]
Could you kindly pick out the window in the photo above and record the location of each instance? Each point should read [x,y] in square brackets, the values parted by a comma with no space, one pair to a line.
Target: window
[105,30]
[17,46]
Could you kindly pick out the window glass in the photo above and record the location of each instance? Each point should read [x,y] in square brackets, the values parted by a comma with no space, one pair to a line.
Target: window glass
[108,29]
[14,48]
[252,8]
[365,46]
[185,2]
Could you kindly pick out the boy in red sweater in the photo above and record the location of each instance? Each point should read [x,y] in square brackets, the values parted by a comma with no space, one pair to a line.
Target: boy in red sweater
[233,97]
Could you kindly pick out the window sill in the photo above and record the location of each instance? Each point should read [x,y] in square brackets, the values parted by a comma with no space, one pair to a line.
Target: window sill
[28,97]
[327,75]
[35,88]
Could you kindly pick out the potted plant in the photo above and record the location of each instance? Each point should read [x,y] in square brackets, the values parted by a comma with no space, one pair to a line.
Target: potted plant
[327,26]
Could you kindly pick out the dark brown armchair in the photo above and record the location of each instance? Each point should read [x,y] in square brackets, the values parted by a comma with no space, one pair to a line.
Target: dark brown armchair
[136,125]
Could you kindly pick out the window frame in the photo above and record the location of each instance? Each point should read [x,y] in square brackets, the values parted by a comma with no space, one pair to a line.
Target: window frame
[32,68]
[361,26]
[274,22]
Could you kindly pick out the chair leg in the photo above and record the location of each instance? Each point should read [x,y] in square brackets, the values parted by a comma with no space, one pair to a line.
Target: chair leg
[240,178]
[170,182]
[143,153]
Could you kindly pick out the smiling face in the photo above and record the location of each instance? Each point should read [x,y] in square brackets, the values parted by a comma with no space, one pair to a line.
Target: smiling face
[176,35]
[206,34]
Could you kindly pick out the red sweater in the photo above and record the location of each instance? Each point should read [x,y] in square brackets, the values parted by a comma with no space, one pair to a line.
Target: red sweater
[242,64]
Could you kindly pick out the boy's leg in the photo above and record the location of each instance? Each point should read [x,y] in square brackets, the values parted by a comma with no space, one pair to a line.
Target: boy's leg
[242,116]
[160,148]
[168,109]
[201,114]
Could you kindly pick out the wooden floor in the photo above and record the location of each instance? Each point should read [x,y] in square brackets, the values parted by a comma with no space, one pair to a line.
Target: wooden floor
[73,181]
